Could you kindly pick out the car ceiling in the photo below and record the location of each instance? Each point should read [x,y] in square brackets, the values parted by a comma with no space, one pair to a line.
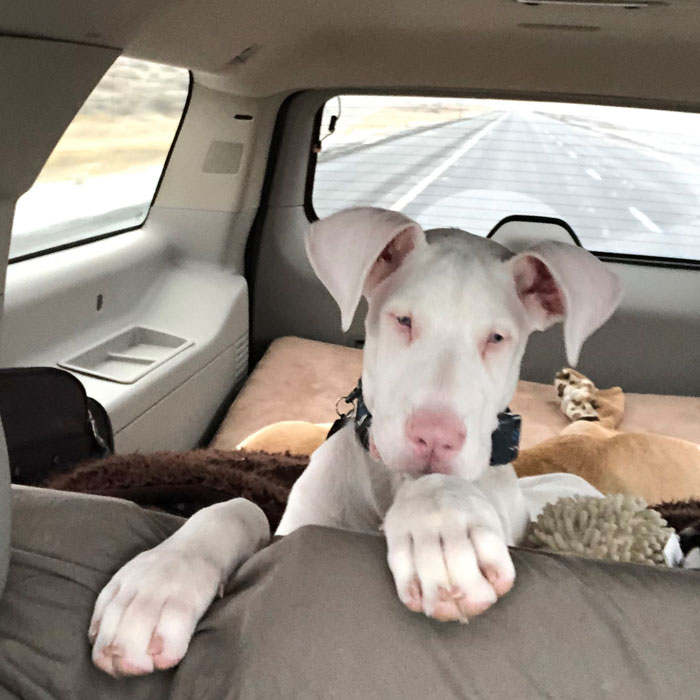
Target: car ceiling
[261,47]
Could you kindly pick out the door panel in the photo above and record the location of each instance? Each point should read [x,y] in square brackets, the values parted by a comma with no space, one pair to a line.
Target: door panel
[139,282]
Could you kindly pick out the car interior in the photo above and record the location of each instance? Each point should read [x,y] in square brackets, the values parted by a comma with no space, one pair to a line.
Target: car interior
[160,165]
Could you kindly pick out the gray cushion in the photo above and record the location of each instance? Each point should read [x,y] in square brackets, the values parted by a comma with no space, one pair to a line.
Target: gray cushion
[64,549]
[315,616]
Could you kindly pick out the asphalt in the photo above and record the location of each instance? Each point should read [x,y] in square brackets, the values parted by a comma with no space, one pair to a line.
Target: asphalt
[618,195]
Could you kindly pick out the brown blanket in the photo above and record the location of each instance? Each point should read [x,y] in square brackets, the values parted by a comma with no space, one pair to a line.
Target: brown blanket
[183,482]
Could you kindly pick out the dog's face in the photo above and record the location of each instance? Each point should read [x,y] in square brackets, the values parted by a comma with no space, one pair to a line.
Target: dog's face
[448,320]
[444,338]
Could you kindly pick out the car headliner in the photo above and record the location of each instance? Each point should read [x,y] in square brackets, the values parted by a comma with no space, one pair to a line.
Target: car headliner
[261,47]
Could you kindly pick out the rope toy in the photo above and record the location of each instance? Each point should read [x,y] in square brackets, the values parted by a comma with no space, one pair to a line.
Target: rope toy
[616,527]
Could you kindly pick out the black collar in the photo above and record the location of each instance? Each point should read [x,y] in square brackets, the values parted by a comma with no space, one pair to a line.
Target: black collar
[504,440]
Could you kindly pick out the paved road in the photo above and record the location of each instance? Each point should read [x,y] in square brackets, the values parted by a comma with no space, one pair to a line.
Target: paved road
[617,195]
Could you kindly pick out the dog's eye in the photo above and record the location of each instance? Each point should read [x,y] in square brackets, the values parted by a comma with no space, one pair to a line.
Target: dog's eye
[404,321]
[495,338]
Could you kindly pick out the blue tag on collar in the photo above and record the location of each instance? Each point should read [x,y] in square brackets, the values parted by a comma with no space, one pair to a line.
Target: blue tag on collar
[505,440]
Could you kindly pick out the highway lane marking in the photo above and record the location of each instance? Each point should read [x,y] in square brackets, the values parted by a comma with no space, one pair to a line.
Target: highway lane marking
[572,154]
[559,143]
[593,173]
[402,202]
[644,220]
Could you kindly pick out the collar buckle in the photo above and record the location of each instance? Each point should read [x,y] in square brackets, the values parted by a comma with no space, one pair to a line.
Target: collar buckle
[357,411]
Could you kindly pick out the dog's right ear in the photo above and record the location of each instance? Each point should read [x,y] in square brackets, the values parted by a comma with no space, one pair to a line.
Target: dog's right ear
[562,282]
[354,250]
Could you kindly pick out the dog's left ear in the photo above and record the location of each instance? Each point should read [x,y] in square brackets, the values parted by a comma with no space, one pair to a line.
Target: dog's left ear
[561,282]
[355,250]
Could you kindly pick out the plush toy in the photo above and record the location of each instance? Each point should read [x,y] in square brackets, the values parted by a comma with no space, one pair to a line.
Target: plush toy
[621,528]
[656,468]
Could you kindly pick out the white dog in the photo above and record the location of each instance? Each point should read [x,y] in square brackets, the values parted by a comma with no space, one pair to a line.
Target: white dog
[449,316]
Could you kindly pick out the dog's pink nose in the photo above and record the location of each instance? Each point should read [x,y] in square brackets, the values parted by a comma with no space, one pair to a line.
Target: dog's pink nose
[435,435]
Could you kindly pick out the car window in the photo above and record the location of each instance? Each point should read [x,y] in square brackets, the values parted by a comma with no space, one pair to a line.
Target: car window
[103,173]
[626,180]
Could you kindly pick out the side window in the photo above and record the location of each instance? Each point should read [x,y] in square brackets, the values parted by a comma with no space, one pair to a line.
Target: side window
[103,173]
[626,180]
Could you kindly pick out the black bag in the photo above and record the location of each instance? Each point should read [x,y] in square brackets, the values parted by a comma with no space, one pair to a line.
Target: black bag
[50,423]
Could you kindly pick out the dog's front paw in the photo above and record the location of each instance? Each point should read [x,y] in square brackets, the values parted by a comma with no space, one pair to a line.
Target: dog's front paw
[144,618]
[446,549]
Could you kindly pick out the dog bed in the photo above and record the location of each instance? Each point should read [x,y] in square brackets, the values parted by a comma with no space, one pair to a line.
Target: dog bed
[301,379]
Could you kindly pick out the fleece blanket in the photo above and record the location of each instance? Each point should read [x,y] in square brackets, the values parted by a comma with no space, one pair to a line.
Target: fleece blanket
[183,482]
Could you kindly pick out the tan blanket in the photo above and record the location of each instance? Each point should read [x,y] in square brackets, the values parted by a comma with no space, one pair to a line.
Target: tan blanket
[656,467]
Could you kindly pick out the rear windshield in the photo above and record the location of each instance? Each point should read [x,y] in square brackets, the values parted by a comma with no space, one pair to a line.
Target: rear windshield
[626,180]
